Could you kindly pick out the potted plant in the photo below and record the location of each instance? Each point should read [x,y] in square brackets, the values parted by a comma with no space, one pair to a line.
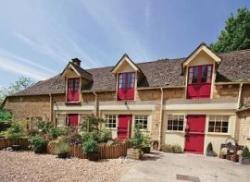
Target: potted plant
[14,134]
[146,144]
[210,151]
[223,153]
[62,149]
[39,144]
[245,156]
[91,149]
[136,142]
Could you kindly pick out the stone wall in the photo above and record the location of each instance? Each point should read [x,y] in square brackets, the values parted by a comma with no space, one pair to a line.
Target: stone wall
[243,128]
[226,91]
[246,95]
[29,107]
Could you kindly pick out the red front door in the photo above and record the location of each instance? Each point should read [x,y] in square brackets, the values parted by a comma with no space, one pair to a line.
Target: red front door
[73,120]
[124,123]
[195,129]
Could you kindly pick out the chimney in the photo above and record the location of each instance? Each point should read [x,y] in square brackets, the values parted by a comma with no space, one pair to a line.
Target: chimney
[76,61]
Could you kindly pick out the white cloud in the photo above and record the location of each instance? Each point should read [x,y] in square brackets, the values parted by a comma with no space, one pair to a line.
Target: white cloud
[22,60]
[14,67]
[43,48]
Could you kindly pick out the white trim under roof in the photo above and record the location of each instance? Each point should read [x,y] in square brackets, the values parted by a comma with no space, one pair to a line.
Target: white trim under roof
[207,51]
[128,107]
[74,108]
[201,105]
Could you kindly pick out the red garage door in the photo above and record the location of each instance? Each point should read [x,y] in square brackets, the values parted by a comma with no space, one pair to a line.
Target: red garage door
[195,129]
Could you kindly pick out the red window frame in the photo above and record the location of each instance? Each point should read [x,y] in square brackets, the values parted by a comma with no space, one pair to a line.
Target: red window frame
[198,71]
[199,81]
[126,84]
[73,90]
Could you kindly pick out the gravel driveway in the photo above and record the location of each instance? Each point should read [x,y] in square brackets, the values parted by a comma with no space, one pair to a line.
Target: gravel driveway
[30,167]
[164,167]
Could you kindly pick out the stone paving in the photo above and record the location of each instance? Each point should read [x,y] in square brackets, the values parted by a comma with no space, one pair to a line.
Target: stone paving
[164,167]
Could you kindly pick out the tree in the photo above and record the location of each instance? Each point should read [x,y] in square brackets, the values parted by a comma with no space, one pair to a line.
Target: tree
[20,84]
[236,34]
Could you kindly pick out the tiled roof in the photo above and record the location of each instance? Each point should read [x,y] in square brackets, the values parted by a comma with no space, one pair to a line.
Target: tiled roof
[234,66]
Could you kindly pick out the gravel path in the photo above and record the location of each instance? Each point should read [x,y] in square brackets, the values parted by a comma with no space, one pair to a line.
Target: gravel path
[27,166]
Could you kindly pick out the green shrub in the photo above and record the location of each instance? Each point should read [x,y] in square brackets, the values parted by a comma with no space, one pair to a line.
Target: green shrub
[90,146]
[90,135]
[105,135]
[171,148]
[43,126]
[74,138]
[91,124]
[177,149]
[245,152]
[62,149]
[5,115]
[137,140]
[167,148]
[146,141]
[15,131]
[39,144]
[32,132]
[55,132]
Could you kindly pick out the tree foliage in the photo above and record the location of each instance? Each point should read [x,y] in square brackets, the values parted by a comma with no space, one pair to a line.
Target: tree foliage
[5,115]
[21,84]
[236,34]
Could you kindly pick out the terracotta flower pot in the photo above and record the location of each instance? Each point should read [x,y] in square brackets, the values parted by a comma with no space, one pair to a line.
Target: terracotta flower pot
[235,158]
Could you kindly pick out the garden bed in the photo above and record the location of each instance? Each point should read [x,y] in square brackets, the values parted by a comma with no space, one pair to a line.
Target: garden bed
[4,143]
[105,151]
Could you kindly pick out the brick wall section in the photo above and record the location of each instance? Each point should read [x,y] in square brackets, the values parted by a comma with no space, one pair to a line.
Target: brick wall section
[27,107]
[226,91]
[246,95]
[243,128]
[148,95]
[174,93]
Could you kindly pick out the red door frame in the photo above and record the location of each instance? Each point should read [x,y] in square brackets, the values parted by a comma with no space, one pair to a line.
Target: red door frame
[195,134]
[73,120]
[203,89]
[124,126]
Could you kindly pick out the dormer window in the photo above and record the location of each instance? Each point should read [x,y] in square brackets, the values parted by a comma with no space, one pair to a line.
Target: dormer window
[76,78]
[127,74]
[199,81]
[199,67]
[126,86]
[73,90]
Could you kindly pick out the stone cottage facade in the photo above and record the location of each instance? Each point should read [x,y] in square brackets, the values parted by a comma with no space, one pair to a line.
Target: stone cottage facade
[190,101]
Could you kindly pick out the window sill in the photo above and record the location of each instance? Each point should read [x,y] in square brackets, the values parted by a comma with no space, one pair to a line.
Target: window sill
[73,103]
[112,129]
[175,132]
[219,134]
[143,130]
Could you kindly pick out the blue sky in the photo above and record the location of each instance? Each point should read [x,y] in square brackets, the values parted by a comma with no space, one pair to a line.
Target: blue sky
[38,38]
